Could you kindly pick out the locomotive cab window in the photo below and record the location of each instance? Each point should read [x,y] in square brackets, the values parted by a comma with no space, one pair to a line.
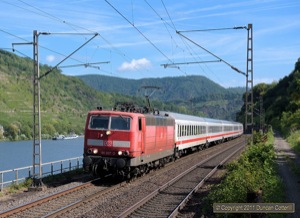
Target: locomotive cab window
[99,122]
[120,123]
[107,122]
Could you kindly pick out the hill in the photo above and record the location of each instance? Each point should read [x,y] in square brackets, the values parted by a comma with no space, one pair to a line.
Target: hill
[197,93]
[65,100]
[280,102]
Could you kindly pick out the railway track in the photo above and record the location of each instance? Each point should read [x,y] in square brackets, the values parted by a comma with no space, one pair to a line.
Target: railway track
[168,199]
[45,206]
[92,200]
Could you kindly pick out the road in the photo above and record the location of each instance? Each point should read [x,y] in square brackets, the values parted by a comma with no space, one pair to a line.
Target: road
[291,182]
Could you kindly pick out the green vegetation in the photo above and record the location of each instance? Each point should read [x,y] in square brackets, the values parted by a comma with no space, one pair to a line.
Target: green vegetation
[254,171]
[193,93]
[294,140]
[281,103]
[14,187]
[65,100]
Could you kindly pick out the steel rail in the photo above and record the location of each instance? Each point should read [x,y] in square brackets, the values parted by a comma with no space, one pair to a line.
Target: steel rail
[78,203]
[44,199]
[201,183]
[157,191]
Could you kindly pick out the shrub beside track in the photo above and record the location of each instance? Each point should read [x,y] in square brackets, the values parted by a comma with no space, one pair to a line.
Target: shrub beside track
[255,173]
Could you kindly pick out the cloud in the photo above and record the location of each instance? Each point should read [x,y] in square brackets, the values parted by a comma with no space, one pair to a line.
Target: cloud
[139,64]
[50,58]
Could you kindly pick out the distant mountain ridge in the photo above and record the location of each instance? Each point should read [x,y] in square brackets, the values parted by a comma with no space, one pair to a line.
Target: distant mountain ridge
[172,88]
[194,92]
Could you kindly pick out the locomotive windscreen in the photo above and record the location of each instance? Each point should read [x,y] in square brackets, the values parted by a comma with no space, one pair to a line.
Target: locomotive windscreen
[110,122]
[120,123]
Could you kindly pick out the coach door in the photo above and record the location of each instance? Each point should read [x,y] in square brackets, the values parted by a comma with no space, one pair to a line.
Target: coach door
[141,134]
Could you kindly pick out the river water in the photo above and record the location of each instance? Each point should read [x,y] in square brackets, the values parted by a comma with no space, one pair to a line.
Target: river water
[20,154]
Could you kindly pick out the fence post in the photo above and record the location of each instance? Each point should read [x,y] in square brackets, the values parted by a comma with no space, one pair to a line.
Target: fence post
[51,169]
[29,172]
[1,182]
[15,172]
[17,177]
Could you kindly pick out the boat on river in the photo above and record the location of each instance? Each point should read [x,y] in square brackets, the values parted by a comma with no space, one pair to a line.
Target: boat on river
[71,136]
[59,137]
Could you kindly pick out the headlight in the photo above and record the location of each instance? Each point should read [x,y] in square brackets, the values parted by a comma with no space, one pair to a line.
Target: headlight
[120,153]
[95,151]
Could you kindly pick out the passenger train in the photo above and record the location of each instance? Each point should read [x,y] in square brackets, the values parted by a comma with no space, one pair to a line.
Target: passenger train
[131,142]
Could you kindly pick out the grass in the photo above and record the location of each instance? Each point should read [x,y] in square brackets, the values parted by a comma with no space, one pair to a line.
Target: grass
[294,141]
[15,188]
[295,168]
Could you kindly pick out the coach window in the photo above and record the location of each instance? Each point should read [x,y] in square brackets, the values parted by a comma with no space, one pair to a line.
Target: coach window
[181,130]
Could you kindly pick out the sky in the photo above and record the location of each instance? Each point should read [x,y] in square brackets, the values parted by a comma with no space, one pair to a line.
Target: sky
[137,39]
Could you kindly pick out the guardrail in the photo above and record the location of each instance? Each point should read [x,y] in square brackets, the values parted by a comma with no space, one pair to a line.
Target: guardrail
[50,168]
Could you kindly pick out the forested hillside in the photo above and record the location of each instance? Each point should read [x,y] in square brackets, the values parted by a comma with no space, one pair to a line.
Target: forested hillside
[281,102]
[65,100]
[196,93]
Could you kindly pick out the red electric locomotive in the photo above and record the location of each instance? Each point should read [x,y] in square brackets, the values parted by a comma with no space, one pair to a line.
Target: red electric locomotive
[127,143]
[131,141]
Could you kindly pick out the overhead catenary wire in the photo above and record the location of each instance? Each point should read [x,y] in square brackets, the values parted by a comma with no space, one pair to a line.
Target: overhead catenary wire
[188,47]
[55,67]
[80,27]
[197,62]
[139,31]
[232,67]
[214,29]
[168,14]
[55,18]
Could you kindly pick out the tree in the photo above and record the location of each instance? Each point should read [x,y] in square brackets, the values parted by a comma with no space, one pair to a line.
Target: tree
[11,132]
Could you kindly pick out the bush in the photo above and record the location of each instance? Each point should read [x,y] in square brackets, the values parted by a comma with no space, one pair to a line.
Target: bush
[254,171]
[294,140]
